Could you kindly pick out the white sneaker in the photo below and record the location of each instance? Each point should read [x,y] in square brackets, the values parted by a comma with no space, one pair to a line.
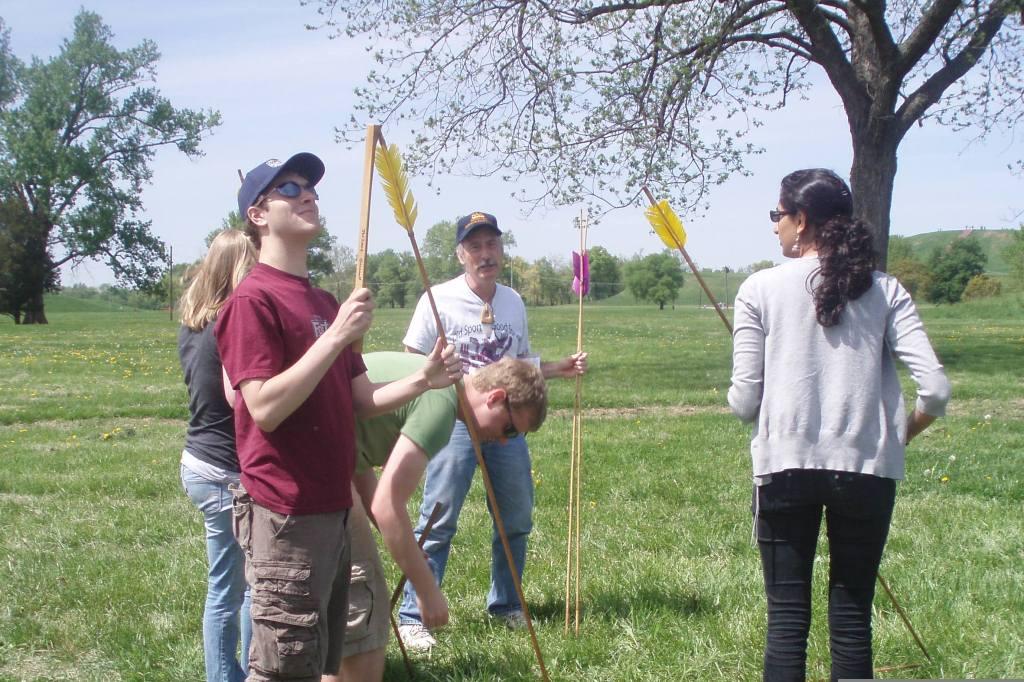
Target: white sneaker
[416,637]
[513,620]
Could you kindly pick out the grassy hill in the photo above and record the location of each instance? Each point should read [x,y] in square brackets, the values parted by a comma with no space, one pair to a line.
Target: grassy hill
[57,303]
[992,244]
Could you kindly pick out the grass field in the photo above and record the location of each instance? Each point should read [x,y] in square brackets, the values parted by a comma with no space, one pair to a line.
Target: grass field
[102,574]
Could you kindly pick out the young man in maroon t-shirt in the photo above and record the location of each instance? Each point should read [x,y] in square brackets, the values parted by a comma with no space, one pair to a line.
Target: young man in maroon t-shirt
[285,346]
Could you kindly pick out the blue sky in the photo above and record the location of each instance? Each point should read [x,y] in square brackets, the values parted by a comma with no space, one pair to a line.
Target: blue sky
[281,89]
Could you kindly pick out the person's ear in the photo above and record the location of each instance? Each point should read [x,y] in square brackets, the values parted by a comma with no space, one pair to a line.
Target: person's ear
[459,254]
[800,218]
[257,215]
[495,396]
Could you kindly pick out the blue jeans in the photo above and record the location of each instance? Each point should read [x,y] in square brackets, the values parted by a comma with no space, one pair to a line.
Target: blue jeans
[226,615]
[448,478]
[858,509]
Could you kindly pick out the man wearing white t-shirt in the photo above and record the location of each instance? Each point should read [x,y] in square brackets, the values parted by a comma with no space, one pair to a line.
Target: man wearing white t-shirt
[485,321]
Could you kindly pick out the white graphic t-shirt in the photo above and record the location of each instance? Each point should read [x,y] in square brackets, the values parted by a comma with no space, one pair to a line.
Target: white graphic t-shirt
[461,313]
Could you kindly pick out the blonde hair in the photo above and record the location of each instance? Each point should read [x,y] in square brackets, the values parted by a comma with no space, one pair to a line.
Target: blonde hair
[231,256]
[523,383]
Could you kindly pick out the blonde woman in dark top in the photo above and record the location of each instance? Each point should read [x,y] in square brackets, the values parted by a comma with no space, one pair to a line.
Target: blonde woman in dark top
[209,463]
[814,371]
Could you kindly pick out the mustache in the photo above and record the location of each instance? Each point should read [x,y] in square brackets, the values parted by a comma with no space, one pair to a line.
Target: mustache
[487,262]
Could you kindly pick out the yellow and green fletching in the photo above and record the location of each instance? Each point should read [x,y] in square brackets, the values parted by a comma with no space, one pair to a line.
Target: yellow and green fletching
[396,185]
[667,224]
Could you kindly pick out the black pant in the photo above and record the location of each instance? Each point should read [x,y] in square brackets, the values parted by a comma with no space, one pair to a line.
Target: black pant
[858,509]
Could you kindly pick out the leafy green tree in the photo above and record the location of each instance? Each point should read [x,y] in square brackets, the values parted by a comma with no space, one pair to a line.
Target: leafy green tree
[953,267]
[914,275]
[76,142]
[24,260]
[982,286]
[528,280]
[389,275]
[605,273]
[341,281]
[656,278]
[904,265]
[757,266]
[319,262]
[900,248]
[438,251]
[1014,256]
[555,278]
[599,98]
[9,67]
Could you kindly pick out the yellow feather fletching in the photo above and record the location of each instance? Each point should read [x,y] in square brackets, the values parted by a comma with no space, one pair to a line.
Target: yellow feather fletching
[667,224]
[396,185]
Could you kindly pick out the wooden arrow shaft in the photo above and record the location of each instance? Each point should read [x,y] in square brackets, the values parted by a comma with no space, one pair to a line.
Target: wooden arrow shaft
[693,268]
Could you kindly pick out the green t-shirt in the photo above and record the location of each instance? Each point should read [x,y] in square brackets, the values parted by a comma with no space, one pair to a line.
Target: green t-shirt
[427,420]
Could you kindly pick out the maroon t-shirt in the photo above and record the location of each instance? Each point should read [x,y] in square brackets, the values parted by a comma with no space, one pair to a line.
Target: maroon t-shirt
[305,465]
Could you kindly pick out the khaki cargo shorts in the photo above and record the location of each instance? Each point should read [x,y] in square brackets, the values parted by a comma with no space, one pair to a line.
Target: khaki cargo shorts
[297,566]
[368,597]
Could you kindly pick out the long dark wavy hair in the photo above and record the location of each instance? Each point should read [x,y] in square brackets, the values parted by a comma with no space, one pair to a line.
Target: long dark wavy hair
[845,247]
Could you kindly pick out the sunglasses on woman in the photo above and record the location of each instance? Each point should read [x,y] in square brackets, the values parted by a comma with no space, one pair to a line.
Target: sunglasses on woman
[775,216]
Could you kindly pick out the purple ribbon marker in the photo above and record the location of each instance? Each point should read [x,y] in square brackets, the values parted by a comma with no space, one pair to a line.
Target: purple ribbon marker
[580,273]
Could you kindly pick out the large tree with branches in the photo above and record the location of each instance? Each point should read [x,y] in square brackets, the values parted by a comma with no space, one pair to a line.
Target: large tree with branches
[599,98]
[77,134]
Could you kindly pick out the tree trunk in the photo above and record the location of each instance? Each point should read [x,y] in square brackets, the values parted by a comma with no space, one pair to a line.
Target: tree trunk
[871,179]
[34,313]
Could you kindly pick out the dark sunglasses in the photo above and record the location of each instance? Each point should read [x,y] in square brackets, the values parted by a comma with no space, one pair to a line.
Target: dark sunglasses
[510,431]
[292,189]
[776,216]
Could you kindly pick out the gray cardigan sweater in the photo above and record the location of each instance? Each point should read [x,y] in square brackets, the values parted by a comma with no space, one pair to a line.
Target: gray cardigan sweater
[828,398]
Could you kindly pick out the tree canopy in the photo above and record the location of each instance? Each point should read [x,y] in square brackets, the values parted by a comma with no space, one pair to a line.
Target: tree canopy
[77,135]
[656,277]
[598,99]
[952,268]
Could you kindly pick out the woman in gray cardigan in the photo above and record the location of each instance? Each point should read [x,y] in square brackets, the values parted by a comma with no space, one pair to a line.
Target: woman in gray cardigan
[813,370]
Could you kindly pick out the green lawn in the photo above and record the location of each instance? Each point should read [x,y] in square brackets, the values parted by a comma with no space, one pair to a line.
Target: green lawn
[103,567]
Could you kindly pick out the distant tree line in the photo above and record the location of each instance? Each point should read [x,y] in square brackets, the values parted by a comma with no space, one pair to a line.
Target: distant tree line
[947,275]
[954,272]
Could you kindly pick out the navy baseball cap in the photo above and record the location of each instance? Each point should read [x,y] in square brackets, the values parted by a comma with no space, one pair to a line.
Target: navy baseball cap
[468,223]
[259,178]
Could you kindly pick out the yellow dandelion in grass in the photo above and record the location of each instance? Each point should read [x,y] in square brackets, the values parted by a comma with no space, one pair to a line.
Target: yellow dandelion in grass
[593,504]
[944,479]
[105,436]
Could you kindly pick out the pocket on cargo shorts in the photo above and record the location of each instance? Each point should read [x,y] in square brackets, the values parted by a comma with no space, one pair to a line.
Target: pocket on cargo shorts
[289,618]
[360,601]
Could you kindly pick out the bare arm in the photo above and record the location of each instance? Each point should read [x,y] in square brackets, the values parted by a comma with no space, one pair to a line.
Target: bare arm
[568,367]
[398,481]
[918,422]
[364,485]
[442,369]
[272,401]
